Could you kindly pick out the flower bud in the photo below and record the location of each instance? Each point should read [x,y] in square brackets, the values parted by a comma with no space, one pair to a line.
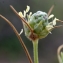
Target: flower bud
[40,24]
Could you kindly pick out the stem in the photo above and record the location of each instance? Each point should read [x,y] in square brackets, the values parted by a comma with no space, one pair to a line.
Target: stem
[35,51]
[58,53]
[19,37]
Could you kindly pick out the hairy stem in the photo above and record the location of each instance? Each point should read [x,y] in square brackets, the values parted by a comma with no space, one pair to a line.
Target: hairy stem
[19,37]
[35,51]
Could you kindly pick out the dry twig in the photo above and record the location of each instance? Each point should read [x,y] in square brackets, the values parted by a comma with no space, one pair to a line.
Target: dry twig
[50,10]
[19,37]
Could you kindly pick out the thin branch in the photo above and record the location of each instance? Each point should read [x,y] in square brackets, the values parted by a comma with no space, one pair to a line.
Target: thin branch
[23,20]
[19,37]
[50,10]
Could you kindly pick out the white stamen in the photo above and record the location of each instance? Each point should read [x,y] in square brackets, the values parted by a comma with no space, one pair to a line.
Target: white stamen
[54,21]
[21,32]
[27,9]
[50,32]
[30,13]
[20,14]
[24,13]
[51,16]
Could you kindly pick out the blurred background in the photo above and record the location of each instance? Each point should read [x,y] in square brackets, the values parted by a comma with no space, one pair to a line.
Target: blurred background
[11,50]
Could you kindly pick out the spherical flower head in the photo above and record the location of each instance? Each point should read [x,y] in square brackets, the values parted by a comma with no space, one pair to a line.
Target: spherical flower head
[39,22]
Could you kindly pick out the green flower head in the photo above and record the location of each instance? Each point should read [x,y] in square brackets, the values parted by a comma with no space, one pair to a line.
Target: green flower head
[39,22]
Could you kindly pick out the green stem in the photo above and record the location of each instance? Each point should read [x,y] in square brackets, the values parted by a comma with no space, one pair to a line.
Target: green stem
[35,51]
